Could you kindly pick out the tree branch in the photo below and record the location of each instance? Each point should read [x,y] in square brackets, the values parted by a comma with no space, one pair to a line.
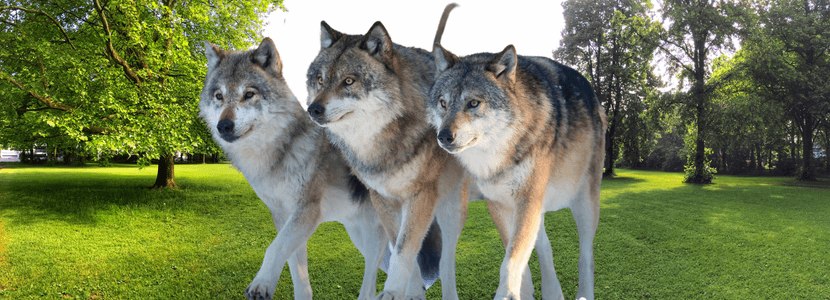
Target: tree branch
[45,100]
[52,19]
[111,50]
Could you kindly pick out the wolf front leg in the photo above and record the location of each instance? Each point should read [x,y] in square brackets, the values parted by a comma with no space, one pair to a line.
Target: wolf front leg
[415,221]
[526,219]
[297,229]
[502,216]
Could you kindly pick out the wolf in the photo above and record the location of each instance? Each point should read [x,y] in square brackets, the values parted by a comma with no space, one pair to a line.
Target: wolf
[290,164]
[530,132]
[370,95]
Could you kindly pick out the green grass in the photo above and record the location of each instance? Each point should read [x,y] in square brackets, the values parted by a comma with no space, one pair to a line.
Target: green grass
[97,233]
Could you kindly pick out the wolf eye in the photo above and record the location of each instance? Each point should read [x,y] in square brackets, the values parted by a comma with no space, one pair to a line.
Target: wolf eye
[249,94]
[473,104]
[320,79]
[218,96]
[443,103]
[348,81]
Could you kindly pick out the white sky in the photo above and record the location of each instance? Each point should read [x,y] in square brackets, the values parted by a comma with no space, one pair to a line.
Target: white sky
[534,27]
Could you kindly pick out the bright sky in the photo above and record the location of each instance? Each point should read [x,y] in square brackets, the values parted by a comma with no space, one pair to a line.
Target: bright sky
[534,27]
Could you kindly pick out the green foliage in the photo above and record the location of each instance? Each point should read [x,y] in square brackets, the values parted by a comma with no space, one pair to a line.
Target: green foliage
[120,76]
[81,232]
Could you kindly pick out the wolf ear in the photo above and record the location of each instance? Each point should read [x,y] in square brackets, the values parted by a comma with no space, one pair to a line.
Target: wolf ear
[328,35]
[504,65]
[267,57]
[443,59]
[377,42]
[214,54]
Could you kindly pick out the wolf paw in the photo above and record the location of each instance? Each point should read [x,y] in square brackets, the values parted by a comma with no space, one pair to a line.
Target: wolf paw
[389,295]
[259,291]
[504,298]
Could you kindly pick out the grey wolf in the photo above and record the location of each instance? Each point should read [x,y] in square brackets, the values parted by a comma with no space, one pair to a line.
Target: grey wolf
[370,94]
[530,132]
[288,161]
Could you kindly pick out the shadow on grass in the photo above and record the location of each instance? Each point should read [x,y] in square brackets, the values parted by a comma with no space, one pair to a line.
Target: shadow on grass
[76,198]
[619,182]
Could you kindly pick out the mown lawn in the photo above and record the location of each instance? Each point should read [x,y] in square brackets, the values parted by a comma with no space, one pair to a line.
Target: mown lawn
[97,233]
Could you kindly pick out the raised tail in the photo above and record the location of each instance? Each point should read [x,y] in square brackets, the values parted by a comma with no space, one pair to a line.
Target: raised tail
[442,24]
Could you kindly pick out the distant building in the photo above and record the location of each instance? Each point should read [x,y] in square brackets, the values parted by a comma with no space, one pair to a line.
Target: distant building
[9,156]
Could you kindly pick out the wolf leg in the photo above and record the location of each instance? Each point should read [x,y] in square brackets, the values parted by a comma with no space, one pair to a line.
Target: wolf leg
[551,289]
[371,241]
[501,215]
[586,215]
[298,265]
[296,231]
[413,228]
[415,288]
[451,216]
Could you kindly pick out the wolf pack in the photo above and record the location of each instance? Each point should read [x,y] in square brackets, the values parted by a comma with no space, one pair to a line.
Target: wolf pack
[393,144]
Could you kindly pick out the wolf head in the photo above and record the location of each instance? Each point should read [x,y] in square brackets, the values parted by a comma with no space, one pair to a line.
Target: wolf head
[472,99]
[351,80]
[243,90]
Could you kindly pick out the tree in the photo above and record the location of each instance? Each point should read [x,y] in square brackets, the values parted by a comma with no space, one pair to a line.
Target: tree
[611,41]
[114,76]
[787,56]
[697,29]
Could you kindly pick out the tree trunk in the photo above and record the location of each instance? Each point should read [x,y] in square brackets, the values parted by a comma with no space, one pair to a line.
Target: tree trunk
[807,173]
[609,152]
[165,175]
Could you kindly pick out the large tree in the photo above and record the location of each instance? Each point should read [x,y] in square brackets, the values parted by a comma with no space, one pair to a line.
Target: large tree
[114,76]
[612,42]
[787,57]
[696,31]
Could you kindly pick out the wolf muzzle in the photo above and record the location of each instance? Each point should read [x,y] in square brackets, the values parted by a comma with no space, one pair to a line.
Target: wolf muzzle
[225,127]
[317,113]
[446,137]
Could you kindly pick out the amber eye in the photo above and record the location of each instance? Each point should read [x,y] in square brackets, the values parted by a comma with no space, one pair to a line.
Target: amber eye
[473,104]
[320,79]
[443,103]
[348,81]
[218,96]
[249,94]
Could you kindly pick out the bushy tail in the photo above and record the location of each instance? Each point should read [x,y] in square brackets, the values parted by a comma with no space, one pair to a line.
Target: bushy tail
[443,23]
[430,255]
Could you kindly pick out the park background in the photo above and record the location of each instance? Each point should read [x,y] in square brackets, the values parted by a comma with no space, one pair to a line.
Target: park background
[100,98]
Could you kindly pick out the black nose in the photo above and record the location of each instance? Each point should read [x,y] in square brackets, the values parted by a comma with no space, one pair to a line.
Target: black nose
[445,136]
[225,127]
[316,110]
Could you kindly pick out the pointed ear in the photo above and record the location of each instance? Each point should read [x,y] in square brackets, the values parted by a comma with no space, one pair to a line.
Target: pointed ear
[377,41]
[443,59]
[328,35]
[504,65]
[267,57]
[214,54]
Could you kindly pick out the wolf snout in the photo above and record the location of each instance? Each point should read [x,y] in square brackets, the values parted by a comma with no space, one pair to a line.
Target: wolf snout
[316,111]
[225,127]
[446,136]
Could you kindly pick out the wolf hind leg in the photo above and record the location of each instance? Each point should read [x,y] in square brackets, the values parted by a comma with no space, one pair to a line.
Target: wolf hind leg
[586,214]
[298,265]
[370,239]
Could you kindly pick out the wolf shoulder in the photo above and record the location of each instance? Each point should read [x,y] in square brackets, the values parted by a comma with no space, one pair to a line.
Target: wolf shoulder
[561,82]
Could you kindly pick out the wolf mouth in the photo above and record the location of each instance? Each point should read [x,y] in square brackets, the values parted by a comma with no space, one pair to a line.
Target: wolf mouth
[458,149]
[230,138]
